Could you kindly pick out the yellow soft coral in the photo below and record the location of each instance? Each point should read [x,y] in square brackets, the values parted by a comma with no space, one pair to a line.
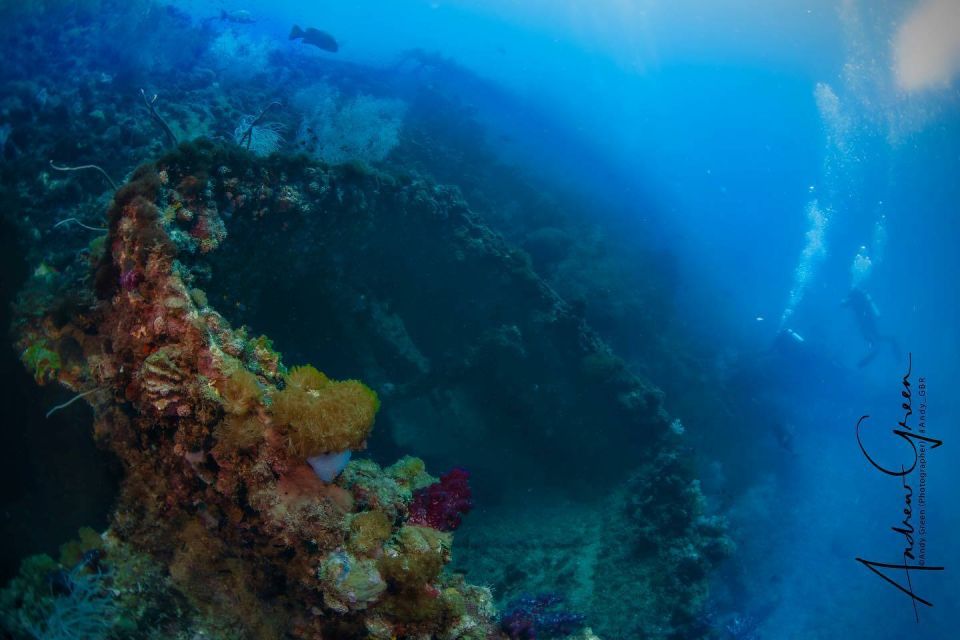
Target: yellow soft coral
[306,378]
[239,432]
[240,392]
[368,531]
[323,415]
[411,566]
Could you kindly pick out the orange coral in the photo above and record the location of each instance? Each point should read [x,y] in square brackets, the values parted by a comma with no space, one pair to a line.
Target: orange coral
[240,392]
[324,415]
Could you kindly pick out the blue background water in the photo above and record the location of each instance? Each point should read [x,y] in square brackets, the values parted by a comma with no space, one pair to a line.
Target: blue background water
[698,129]
[698,123]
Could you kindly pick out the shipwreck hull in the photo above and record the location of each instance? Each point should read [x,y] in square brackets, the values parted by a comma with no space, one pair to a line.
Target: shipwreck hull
[393,280]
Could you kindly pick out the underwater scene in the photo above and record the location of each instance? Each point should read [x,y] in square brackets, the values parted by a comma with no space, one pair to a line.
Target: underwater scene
[480,319]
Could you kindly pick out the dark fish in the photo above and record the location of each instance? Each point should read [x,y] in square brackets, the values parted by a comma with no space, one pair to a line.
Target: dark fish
[317,38]
[241,16]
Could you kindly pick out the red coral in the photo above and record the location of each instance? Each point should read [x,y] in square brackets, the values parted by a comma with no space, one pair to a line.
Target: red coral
[442,504]
[209,230]
[192,186]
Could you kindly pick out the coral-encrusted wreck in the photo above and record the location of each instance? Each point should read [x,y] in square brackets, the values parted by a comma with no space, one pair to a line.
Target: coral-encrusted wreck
[214,434]
[225,447]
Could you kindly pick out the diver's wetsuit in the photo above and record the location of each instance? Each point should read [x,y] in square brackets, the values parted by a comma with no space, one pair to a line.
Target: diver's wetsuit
[865,314]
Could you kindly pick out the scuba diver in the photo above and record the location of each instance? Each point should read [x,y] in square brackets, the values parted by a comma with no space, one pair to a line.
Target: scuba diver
[865,313]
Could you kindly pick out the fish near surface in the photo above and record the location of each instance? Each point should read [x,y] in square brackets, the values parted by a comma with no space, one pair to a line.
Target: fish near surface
[317,38]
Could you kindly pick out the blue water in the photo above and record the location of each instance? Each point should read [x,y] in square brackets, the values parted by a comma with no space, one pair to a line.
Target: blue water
[758,147]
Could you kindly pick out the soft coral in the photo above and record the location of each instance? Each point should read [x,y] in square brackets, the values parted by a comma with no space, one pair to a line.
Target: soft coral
[442,504]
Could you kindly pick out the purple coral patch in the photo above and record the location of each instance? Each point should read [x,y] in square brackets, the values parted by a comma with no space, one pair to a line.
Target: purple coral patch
[130,279]
[539,616]
[442,504]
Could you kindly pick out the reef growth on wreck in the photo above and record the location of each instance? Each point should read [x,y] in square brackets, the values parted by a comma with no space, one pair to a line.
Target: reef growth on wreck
[439,324]
[215,433]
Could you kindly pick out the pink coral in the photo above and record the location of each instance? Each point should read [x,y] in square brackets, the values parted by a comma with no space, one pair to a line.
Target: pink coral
[442,504]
